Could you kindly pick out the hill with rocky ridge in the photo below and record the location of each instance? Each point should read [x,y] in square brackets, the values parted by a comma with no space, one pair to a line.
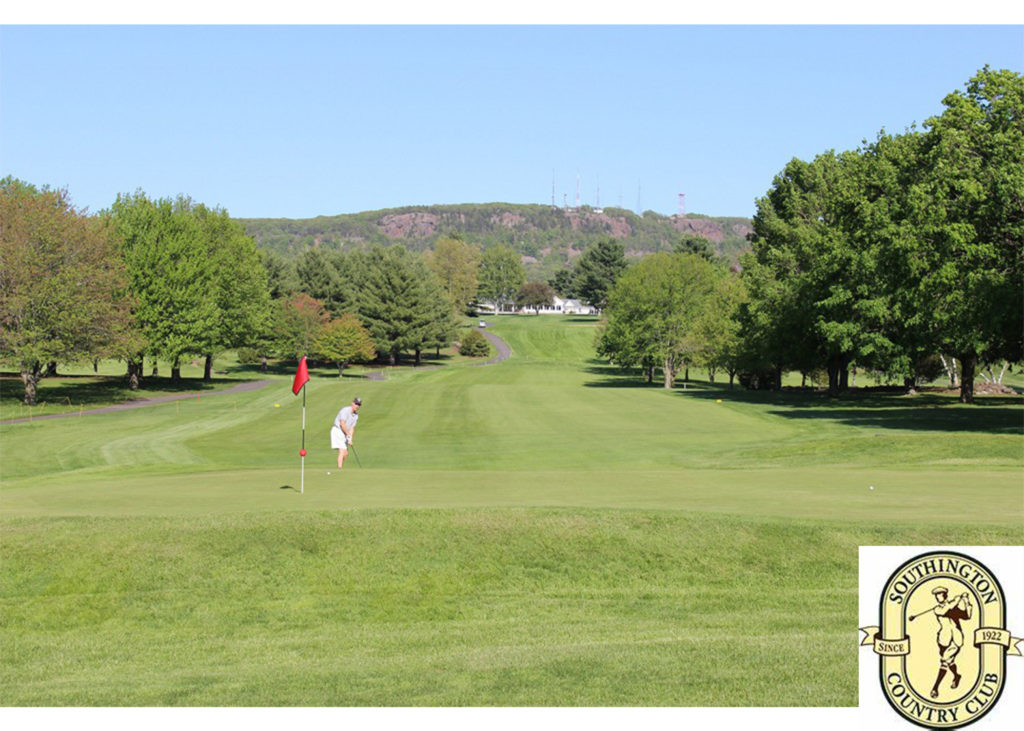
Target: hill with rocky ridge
[547,238]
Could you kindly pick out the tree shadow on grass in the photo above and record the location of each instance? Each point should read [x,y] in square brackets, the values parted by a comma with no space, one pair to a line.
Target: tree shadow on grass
[982,417]
[90,390]
[883,408]
[612,377]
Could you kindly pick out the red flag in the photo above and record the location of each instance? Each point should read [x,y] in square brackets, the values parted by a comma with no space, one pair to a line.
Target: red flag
[301,376]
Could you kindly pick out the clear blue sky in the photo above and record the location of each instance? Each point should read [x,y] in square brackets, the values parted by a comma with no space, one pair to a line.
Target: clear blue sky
[297,121]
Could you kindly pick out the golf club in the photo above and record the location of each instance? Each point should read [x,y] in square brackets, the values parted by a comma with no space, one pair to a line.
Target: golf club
[352,447]
[915,616]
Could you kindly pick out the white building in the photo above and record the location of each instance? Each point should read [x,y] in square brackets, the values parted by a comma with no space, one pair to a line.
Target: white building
[561,306]
[489,307]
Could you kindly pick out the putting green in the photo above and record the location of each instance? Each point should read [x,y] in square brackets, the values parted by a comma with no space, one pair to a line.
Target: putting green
[541,531]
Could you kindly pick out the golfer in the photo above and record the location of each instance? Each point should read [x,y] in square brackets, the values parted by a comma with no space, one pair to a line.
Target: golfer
[950,637]
[344,426]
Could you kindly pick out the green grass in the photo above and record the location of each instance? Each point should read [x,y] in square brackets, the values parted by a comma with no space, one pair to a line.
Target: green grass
[78,387]
[545,531]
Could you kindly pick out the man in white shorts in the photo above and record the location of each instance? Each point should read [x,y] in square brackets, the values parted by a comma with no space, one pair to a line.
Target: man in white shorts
[344,426]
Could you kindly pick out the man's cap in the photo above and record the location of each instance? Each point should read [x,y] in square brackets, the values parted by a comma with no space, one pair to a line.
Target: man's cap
[357,401]
[940,590]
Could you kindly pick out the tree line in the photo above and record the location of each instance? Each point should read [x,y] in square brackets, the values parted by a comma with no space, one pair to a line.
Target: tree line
[173,279]
[895,257]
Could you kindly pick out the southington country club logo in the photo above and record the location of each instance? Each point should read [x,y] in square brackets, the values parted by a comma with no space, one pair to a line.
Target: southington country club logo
[942,644]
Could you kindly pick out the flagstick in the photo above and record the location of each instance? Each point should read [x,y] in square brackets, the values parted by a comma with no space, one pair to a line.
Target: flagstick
[302,475]
[301,377]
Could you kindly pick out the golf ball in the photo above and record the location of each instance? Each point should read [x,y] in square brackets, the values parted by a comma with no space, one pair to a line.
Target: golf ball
[328,473]
[871,487]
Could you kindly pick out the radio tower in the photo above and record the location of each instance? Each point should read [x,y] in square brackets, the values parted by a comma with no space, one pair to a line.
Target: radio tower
[598,201]
[552,188]
[682,204]
[577,188]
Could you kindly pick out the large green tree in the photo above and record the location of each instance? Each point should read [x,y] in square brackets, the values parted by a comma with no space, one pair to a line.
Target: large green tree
[969,220]
[331,277]
[501,276]
[401,303]
[814,278]
[597,271]
[171,277]
[717,330]
[654,309]
[440,321]
[62,284]
[241,290]
[281,277]
[456,264]
[564,283]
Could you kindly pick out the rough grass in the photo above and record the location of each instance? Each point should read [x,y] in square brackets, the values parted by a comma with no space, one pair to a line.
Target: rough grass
[545,531]
[435,607]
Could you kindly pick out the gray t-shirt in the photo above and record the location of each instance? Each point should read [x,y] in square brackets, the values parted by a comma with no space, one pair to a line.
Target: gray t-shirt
[346,417]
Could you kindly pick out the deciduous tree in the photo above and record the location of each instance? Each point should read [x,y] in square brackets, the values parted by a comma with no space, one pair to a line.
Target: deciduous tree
[166,253]
[501,275]
[344,341]
[300,320]
[654,309]
[241,293]
[62,284]
[535,295]
[456,264]
[970,222]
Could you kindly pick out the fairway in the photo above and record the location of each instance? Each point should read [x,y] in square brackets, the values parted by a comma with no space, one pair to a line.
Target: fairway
[541,531]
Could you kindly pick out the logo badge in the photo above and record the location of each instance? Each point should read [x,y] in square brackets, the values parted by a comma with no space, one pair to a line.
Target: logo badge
[942,643]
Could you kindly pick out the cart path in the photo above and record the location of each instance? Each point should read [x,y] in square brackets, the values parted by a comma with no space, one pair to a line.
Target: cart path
[140,403]
[503,350]
[503,353]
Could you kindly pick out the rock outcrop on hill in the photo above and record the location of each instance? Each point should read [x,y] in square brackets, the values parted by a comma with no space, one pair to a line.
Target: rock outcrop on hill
[546,237]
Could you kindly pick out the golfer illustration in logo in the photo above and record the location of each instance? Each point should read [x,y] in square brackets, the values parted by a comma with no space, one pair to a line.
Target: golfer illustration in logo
[950,637]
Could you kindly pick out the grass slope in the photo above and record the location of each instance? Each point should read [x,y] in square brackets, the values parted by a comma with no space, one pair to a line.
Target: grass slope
[542,531]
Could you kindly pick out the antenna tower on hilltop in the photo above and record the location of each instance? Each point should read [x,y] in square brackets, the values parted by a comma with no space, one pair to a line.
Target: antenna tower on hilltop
[682,204]
[577,188]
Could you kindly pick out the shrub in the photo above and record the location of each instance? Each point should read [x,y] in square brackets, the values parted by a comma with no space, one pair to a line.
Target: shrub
[474,344]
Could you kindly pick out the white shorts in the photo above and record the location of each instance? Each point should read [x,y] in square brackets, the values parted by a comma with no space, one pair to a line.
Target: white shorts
[338,440]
